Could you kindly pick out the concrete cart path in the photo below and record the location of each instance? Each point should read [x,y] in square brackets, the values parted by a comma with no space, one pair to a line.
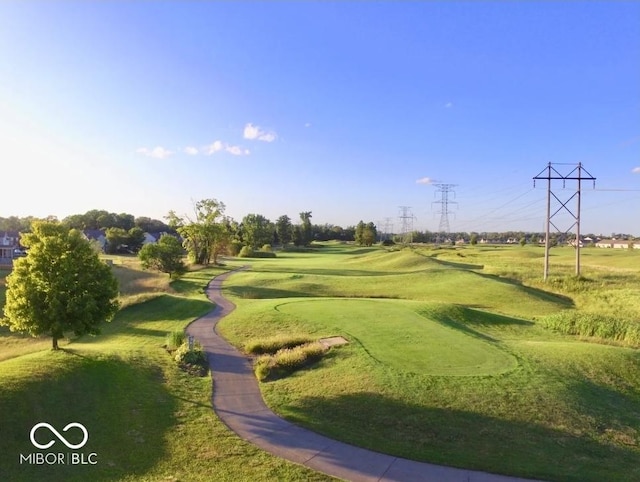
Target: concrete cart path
[238,402]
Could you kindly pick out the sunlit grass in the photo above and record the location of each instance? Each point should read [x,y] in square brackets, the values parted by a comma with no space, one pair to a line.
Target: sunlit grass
[559,409]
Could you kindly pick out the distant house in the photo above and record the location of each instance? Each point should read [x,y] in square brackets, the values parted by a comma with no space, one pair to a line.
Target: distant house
[617,244]
[96,235]
[9,248]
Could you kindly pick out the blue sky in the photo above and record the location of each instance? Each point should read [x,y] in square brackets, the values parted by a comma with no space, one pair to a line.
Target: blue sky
[339,108]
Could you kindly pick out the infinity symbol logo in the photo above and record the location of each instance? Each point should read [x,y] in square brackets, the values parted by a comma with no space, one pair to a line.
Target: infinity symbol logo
[57,434]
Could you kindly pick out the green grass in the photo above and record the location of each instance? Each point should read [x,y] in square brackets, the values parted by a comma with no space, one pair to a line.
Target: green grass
[147,420]
[428,346]
[447,362]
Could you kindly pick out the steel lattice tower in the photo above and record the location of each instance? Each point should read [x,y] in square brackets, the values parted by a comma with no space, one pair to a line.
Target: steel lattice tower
[406,220]
[550,173]
[444,190]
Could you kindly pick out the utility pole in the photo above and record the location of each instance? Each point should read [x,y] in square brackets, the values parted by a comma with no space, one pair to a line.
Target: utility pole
[578,173]
[444,190]
[406,220]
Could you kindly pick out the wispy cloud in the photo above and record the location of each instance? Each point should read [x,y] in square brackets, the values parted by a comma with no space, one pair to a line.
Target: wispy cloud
[219,146]
[636,170]
[157,152]
[425,180]
[192,151]
[449,105]
[258,133]
[307,124]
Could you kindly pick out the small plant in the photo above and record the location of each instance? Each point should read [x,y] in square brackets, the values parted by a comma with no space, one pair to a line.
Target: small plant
[174,340]
[193,361]
[266,248]
[246,252]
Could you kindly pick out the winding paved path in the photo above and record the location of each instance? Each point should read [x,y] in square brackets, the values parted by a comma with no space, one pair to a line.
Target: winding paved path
[238,403]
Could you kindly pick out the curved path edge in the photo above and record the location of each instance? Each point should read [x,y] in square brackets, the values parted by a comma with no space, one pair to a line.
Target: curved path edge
[238,403]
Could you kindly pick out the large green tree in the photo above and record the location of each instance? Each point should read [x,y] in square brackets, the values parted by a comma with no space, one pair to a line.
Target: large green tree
[165,256]
[305,227]
[257,230]
[284,229]
[60,286]
[207,234]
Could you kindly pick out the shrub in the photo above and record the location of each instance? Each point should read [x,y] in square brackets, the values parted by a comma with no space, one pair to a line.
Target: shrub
[175,339]
[273,344]
[246,252]
[193,361]
[266,248]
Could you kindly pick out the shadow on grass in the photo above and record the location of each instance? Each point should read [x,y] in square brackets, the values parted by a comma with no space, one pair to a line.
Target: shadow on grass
[563,301]
[131,320]
[464,439]
[257,292]
[124,409]
[452,264]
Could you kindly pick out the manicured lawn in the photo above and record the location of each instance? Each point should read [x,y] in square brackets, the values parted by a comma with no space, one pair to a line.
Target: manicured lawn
[447,362]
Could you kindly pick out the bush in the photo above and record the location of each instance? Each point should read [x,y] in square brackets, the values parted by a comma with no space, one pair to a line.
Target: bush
[275,343]
[248,252]
[194,361]
[266,248]
[175,339]
[287,360]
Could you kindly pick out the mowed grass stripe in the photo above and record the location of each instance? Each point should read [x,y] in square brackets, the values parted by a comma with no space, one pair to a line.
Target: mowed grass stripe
[382,327]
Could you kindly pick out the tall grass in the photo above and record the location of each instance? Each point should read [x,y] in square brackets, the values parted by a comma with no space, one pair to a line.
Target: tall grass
[272,344]
[288,360]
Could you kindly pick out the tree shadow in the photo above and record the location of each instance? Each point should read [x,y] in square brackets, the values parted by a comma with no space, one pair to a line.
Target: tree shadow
[124,409]
[464,439]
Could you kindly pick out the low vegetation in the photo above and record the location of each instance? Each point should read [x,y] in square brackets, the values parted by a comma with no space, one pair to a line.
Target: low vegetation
[273,344]
[287,360]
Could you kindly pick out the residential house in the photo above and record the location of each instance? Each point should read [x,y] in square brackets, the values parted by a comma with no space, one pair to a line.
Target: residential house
[9,248]
[97,236]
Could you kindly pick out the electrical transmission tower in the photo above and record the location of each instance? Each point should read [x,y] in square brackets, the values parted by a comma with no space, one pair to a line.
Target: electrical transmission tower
[387,227]
[444,190]
[550,173]
[406,221]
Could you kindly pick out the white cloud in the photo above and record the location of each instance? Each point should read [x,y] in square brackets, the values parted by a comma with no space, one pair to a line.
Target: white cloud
[636,170]
[257,133]
[192,151]
[157,152]
[425,180]
[308,124]
[219,146]
[237,150]
[449,105]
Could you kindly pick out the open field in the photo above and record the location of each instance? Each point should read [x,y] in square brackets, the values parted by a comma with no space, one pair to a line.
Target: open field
[448,361]
[147,420]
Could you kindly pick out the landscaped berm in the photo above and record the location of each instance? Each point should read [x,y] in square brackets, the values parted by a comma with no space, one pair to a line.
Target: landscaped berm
[456,356]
